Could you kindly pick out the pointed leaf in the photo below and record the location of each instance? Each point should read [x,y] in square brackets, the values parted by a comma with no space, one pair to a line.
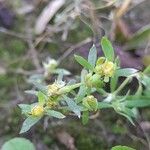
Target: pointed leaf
[41,98]
[28,123]
[83,62]
[73,106]
[55,114]
[107,49]
[92,57]
[85,117]
[25,108]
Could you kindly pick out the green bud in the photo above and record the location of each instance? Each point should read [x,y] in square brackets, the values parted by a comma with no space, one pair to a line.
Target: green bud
[93,80]
[90,102]
[100,60]
[96,81]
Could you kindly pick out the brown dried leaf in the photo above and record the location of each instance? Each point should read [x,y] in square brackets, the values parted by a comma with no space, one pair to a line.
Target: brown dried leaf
[47,14]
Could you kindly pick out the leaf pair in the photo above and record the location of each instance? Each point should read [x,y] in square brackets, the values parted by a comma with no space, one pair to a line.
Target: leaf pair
[92,57]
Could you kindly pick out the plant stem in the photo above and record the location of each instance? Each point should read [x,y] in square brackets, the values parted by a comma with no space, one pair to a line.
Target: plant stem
[124,83]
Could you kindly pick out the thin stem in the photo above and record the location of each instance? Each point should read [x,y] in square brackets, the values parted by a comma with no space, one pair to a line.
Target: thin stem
[102,91]
[124,83]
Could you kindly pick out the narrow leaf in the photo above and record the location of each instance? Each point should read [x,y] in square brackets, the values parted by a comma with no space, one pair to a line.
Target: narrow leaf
[107,49]
[28,123]
[55,114]
[25,108]
[125,72]
[137,103]
[103,105]
[83,62]
[73,106]
[92,57]
[85,117]
[41,98]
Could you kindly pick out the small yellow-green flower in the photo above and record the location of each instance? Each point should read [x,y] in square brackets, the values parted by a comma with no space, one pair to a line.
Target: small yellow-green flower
[105,69]
[90,102]
[37,110]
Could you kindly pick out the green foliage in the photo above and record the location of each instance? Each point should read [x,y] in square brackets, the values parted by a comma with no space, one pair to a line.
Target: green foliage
[78,96]
[85,117]
[83,62]
[55,114]
[107,49]
[28,123]
[122,148]
[92,57]
[18,144]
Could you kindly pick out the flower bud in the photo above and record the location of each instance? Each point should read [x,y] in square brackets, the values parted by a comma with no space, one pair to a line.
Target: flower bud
[100,60]
[93,80]
[54,88]
[106,69]
[90,102]
[37,111]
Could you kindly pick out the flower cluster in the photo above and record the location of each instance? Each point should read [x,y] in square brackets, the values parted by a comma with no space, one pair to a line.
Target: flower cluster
[105,68]
[37,110]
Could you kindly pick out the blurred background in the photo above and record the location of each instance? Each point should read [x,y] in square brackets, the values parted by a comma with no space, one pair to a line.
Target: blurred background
[31,31]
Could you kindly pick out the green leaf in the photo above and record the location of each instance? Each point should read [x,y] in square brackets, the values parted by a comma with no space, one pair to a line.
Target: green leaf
[85,117]
[81,93]
[73,106]
[127,117]
[84,62]
[92,57]
[25,108]
[125,72]
[119,147]
[28,123]
[137,103]
[102,105]
[107,49]
[83,74]
[18,144]
[55,114]
[41,98]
